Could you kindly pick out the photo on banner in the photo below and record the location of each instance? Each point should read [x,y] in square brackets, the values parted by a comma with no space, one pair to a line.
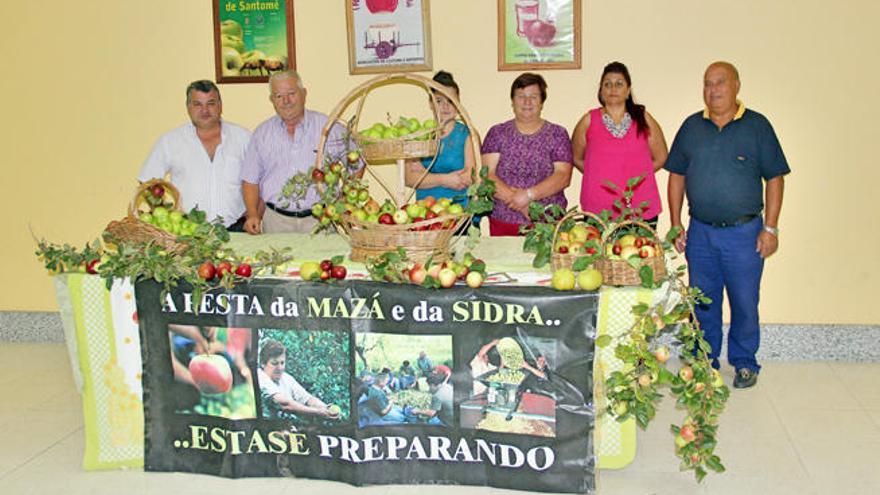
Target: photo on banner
[211,374]
[303,376]
[404,379]
[513,387]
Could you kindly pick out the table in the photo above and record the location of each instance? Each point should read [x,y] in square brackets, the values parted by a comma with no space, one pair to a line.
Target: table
[102,336]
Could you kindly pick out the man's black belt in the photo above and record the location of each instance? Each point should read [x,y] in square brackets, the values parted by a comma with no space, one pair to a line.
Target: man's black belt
[292,214]
[733,223]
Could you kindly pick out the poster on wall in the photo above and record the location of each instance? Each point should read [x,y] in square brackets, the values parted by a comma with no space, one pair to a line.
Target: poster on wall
[388,36]
[367,383]
[252,39]
[539,34]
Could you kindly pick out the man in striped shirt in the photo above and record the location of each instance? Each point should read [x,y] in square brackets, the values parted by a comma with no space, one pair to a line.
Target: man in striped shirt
[282,146]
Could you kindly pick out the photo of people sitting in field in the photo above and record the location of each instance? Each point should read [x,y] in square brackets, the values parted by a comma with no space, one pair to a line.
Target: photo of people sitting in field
[404,379]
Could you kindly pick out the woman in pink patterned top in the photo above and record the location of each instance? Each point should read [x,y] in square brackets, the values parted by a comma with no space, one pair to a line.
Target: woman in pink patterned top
[528,158]
[616,142]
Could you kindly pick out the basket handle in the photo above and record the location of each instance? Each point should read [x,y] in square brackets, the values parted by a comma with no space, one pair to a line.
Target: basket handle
[146,186]
[576,212]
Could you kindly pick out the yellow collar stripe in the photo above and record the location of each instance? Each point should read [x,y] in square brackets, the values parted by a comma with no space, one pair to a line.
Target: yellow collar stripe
[739,111]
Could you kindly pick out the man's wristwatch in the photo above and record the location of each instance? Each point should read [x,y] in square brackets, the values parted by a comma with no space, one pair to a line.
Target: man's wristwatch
[771,230]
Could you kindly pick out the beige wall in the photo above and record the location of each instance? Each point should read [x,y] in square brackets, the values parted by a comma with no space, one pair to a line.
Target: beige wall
[88,86]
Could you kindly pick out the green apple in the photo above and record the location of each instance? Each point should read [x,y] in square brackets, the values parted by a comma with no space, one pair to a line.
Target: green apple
[231,61]
[563,279]
[175,217]
[309,270]
[232,41]
[429,124]
[388,207]
[578,233]
[455,209]
[232,28]
[413,125]
[390,133]
[589,279]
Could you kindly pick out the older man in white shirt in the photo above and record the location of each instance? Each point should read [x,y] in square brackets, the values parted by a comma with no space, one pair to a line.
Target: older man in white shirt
[203,157]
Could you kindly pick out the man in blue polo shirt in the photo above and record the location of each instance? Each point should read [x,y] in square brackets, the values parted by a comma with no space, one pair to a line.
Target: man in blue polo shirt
[722,157]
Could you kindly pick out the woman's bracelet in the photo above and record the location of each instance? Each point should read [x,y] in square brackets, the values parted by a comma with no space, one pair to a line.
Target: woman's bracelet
[529,194]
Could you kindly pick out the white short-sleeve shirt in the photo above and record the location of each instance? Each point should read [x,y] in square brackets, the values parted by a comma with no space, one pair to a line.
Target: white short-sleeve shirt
[287,387]
[212,186]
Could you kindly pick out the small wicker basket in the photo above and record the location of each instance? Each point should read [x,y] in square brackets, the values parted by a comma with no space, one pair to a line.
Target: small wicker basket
[619,271]
[566,260]
[135,231]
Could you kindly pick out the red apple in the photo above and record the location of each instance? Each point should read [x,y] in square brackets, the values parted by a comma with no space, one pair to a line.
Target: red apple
[244,270]
[378,6]
[158,191]
[540,33]
[617,249]
[92,266]
[687,433]
[211,373]
[417,274]
[318,175]
[662,354]
[686,373]
[386,219]
[338,272]
[326,265]
[207,270]
[434,270]
[325,275]
[223,268]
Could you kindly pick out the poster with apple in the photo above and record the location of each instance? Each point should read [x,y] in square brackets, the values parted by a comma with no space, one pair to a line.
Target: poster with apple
[371,383]
[539,34]
[252,39]
[388,36]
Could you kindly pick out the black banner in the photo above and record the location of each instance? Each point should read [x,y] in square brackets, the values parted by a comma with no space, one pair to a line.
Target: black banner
[371,383]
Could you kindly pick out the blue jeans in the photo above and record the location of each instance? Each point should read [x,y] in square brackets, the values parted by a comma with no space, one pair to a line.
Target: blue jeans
[722,258]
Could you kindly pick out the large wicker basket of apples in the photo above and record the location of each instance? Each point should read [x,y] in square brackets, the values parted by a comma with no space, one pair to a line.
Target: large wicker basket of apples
[424,227]
[627,249]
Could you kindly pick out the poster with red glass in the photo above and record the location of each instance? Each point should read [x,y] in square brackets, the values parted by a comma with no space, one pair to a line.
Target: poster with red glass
[388,36]
[539,34]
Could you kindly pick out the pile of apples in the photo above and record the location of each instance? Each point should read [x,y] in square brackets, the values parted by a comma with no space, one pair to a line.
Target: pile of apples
[162,214]
[208,271]
[469,270]
[630,245]
[408,128]
[323,271]
[361,206]
[575,239]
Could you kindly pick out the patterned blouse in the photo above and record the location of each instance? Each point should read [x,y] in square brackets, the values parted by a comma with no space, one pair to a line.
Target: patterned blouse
[526,160]
[617,130]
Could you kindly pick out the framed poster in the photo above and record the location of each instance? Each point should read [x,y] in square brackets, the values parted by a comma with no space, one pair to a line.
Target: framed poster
[539,34]
[252,39]
[388,36]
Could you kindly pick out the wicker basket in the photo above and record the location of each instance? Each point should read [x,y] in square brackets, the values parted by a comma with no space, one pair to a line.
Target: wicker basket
[620,272]
[135,231]
[566,260]
[371,239]
[382,150]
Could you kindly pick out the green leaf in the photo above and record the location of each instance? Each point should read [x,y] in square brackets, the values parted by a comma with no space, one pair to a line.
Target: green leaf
[646,274]
[604,340]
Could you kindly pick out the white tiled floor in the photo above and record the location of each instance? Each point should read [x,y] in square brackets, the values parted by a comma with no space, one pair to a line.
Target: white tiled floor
[807,428]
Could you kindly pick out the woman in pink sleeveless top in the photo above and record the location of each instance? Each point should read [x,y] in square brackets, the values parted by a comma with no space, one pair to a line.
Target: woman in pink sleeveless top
[616,142]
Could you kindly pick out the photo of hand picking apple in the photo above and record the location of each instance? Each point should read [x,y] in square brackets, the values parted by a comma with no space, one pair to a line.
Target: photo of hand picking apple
[303,376]
[211,375]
